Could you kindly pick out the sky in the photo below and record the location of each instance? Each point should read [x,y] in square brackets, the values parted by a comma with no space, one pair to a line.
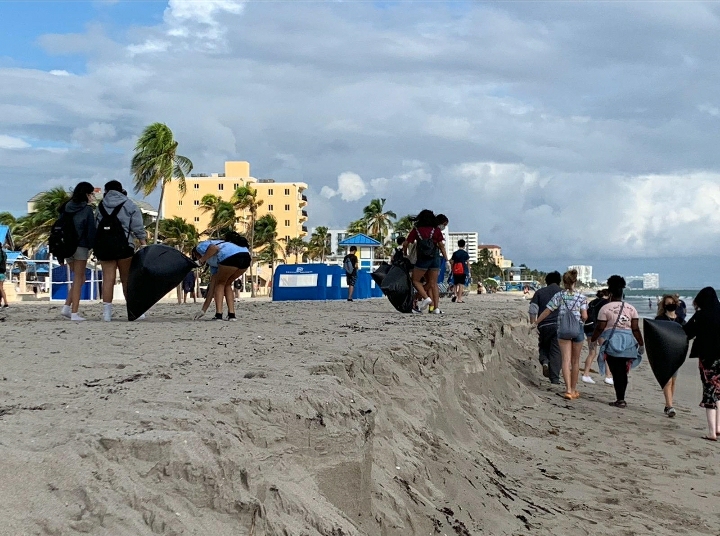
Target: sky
[566,132]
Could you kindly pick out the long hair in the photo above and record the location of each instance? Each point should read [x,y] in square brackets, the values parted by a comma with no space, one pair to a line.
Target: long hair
[661,305]
[426,218]
[81,191]
[707,300]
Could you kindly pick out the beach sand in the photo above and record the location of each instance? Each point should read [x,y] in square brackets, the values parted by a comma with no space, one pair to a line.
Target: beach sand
[333,419]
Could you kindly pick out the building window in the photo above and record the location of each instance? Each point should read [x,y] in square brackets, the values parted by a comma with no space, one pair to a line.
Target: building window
[220,186]
[270,207]
[196,203]
[236,186]
[196,186]
[287,207]
[270,191]
[287,223]
[287,238]
[287,191]
[197,219]
[180,203]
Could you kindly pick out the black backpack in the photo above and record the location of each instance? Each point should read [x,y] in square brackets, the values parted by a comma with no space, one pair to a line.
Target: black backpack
[426,246]
[111,240]
[592,312]
[63,240]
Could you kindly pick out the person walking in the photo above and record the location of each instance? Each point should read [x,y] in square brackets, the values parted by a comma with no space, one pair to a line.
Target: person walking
[572,313]
[188,286]
[548,347]
[351,265]
[460,270]
[78,212]
[704,327]
[232,262]
[618,326]
[601,299]
[667,310]
[120,223]
[3,269]
[429,245]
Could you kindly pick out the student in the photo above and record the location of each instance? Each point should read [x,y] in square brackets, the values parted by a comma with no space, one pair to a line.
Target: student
[79,208]
[3,269]
[460,270]
[573,303]
[704,327]
[232,262]
[601,299]
[667,310]
[188,286]
[618,326]
[114,253]
[350,264]
[398,255]
[548,347]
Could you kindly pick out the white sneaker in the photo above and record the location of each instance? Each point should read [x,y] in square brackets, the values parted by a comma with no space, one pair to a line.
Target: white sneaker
[66,311]
[141,317]
[107,312]
[424,304]
[416,311]
[609,381]
[437,312]
[76,317]
[588,379]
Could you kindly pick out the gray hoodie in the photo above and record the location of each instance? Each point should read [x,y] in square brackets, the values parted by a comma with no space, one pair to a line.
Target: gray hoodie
[130,216]
[82,215]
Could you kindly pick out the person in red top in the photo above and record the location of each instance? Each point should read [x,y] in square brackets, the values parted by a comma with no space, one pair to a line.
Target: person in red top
[429,244]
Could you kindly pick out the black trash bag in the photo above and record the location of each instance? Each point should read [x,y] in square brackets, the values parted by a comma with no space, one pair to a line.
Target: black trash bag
[379,274]
[155,270]
[398,288]
[666,346]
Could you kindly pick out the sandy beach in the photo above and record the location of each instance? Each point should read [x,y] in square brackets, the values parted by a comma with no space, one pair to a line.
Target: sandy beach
[333,419]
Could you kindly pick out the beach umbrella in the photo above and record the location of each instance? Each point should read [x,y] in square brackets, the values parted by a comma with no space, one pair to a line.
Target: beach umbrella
[155,270]
[666,346]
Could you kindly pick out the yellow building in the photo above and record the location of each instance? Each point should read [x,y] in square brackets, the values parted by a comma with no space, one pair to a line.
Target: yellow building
[284,200]
[496,255]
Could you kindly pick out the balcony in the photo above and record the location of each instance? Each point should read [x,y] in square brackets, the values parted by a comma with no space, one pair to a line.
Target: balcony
[303,200]
[304,215]
[304,229]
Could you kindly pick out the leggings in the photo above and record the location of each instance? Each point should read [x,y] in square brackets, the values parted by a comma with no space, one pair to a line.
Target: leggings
[619,366]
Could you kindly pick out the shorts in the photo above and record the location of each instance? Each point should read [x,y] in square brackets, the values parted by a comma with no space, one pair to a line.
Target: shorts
[428,264]
[81,254]
[240,261]
[351,279]
[459,279]
[126,254]
[579,338]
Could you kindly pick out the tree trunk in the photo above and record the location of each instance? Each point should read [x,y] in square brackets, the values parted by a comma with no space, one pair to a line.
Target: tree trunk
[157,219]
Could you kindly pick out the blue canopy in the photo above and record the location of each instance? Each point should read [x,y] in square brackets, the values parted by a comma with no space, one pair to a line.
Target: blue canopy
[359,240]
[6,240]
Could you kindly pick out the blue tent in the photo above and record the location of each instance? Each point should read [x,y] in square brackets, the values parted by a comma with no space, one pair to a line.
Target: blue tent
[301,282]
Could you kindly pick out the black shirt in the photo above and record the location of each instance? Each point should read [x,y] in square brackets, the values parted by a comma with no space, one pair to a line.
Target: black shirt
[704,327]
[541,298]
[354,260]
[666,317]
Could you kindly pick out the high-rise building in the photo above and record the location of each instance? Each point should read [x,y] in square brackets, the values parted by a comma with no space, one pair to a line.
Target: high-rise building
[284,200]
[471,243]
[651,281]
[584,273]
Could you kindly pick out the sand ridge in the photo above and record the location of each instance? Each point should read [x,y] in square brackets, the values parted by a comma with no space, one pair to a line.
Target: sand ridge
[329,418]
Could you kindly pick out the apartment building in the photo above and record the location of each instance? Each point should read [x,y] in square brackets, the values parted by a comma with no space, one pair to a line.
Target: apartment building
[284,200]
[471,244]
[496,255]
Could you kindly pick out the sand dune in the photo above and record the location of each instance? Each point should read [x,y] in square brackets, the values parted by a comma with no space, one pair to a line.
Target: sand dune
[332,419]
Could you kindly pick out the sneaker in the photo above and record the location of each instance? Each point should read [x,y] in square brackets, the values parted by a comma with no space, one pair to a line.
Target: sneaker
[416,311]
[609,381]
[76,317]
[546,370]
[231,317]
[349,299]
[218,316]
[437,312]
[670,412]
[66,311]
[587,379]
[424,304]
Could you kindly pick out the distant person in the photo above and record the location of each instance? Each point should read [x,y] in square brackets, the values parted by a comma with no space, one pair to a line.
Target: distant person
[398,253]
[682,308]
[704,327]
[3,269]
[80,211]
[232,262]
[601,298]
[188,286]
[119,224]
[480,288]
[351,265]
[618,326]
[667,310]
[460,270]
[548,347]
[571,306]
[650,306]
[429,245]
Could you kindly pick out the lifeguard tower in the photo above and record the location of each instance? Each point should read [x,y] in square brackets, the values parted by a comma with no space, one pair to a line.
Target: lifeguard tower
[366,249]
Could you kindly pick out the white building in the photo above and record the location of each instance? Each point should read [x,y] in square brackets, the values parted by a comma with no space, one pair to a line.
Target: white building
[584,273]
[651,281]
[471,244]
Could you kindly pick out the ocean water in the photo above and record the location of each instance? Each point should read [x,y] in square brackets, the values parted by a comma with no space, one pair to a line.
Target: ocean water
[645,301]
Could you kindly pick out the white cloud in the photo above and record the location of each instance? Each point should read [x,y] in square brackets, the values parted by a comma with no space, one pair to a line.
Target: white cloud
[709,109]
[10,142]
[59,72]
[350,187]
[148,47]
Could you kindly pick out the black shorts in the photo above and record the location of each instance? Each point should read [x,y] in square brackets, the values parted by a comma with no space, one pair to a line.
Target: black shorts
[239,260]
[126,253]
[459,279]
[351,278]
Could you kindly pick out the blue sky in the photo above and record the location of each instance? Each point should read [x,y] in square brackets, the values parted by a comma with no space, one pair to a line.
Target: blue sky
[567,132]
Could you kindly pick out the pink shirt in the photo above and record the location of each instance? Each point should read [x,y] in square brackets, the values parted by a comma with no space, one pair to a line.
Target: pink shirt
[609,313]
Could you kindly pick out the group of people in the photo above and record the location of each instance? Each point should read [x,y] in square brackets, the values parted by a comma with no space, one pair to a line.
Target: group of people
[561,317]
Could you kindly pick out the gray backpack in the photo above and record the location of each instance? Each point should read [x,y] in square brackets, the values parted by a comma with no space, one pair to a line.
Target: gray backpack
[569,327]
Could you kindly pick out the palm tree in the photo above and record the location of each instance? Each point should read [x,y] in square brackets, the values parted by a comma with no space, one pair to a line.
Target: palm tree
[35,228]
[178,233]
[296,246]
[156,162]
[245,199]
[319,245]
[357,227]
[223,215]
[266,237]
[7,219]
[378,222]
[404,225]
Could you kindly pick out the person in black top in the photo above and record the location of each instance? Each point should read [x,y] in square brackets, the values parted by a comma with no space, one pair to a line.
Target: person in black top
[548,348]
[704,327]
[667,310]
[351,276]
[398,255]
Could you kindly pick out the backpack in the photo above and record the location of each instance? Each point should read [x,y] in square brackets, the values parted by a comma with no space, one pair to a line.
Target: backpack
[426,246]
[63,240]
[348,265]
[568,326]
[593,310]
[111,240]
[458,268]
